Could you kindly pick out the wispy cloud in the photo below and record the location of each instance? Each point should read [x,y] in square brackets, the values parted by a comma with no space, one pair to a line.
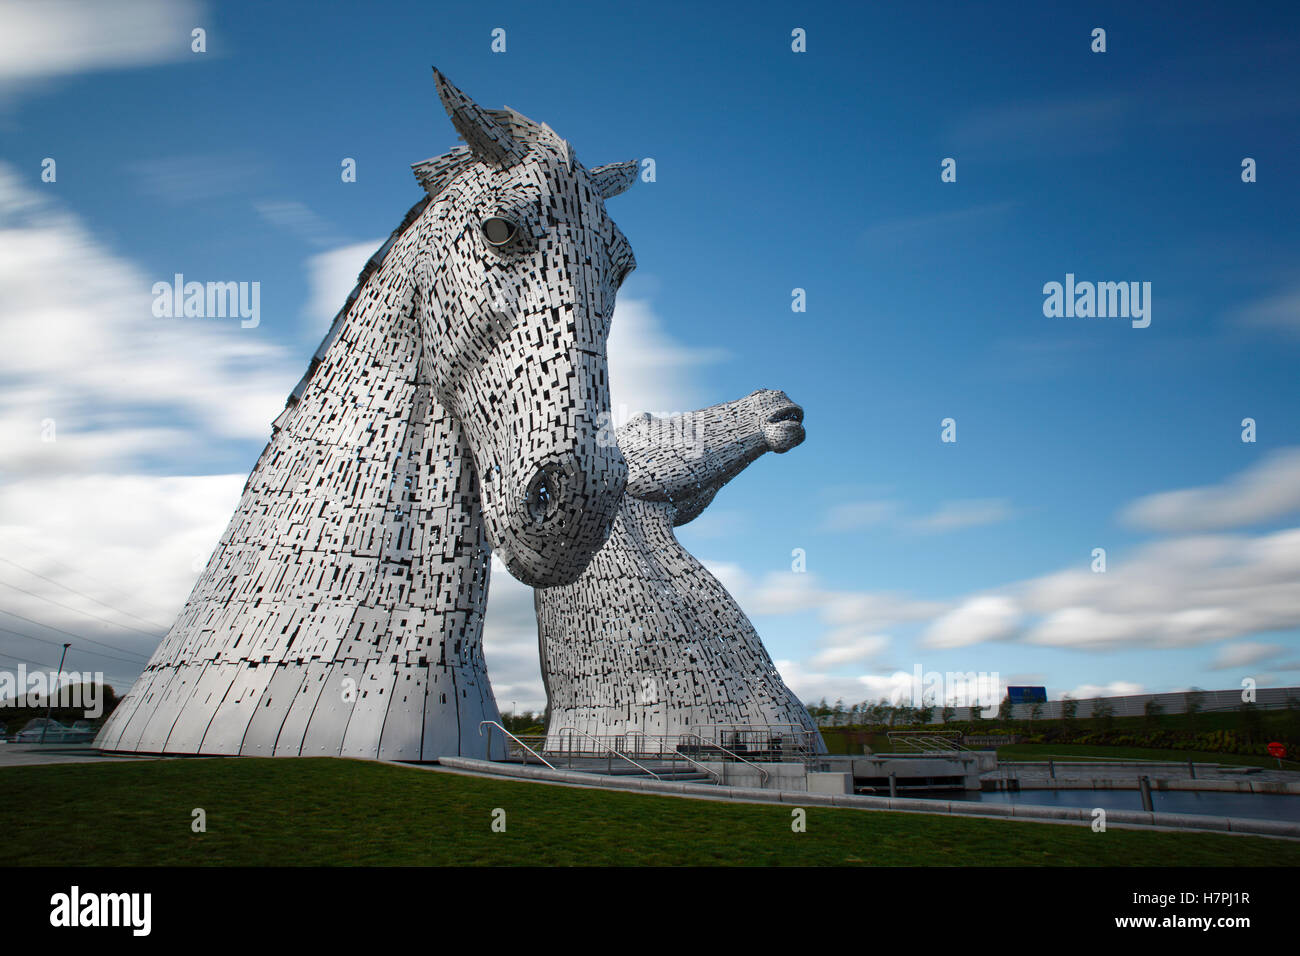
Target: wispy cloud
[303,223]
[1179,592]
[856,515]
[1243,654]
[1263,492]
[182,180]
[649,369]
[967,513]
[988,617]
[954,515]
[43,38]
[1116,688]
[331,276]
[1279,312]
[926,226]
[89,359]
[1033,129]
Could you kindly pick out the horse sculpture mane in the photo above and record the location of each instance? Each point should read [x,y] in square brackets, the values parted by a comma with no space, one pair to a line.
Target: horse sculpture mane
[453,409]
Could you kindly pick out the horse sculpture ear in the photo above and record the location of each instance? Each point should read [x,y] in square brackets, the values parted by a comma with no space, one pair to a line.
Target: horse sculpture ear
[613,178]
[488,140]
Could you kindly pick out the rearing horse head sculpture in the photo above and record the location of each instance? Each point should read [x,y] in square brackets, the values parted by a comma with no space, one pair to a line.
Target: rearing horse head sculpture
[516,280]
[686,459]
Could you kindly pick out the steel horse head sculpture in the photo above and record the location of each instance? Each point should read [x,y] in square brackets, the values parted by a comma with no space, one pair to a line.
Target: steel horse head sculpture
[647,641]
[454,409]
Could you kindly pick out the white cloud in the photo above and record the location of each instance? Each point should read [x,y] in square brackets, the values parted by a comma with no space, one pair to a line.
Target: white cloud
[1116,688]
[1243,654]
[955,515]
[948,516]
[1173,593]
[1262,492]
[847,647]
[853,624]
[811,686]
[135,542]
[89,355]
[331,276]
[41,38]
[649,371]
[510,643]
[987,617]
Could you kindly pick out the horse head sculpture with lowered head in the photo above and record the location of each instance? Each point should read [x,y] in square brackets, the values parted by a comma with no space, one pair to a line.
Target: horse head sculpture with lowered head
[454,408]
[516,282]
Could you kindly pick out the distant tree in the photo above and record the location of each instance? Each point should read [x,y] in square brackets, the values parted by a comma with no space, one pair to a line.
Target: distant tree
[976,712]
[948,713]
[1193,703]
[1069,711]
[1151,712]
[924,714]
[1104,713]
[1035,710]
[1292,724]
[1252,723]
[1006,709]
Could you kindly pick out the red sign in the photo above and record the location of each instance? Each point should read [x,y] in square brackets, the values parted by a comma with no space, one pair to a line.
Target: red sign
[1275,749]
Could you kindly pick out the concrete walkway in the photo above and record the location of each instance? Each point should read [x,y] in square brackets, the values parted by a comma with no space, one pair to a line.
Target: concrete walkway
[32,755]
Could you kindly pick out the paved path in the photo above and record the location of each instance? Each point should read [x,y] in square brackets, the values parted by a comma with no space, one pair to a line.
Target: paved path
[31,755]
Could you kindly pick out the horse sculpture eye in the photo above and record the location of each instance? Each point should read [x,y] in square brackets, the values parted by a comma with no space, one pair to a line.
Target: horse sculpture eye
[498,231]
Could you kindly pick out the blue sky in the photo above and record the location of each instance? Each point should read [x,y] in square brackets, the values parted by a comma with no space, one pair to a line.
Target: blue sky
[775,170]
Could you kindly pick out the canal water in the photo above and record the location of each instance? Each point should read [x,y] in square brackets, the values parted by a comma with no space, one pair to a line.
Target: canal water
[1256,806]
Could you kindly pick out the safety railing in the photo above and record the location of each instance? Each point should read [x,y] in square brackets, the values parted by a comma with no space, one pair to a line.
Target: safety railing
[566,733]
[926,742]
[677,753]
[762,774]
[523,746]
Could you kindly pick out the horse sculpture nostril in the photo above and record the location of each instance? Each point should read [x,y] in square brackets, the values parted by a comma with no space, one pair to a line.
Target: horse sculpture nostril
[543,495]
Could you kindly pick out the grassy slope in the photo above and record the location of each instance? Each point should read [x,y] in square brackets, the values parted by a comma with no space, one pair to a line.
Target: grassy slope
[330,812]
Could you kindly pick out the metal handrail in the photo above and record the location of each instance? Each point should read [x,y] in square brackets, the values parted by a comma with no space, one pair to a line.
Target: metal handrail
[800,734]
[929,741]
[761,772]
[616,753]
[493,723]
[677,753]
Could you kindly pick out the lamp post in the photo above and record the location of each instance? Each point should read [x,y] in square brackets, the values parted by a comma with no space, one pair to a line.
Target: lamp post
[50,709]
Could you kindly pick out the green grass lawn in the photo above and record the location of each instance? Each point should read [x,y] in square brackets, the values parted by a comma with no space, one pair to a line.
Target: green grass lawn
[330,812]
